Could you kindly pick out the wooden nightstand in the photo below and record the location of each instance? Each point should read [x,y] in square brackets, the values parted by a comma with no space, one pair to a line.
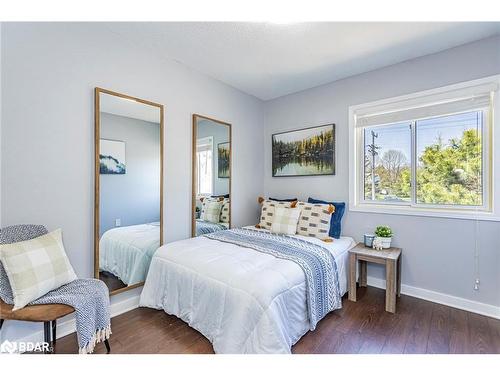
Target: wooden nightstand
[391,258]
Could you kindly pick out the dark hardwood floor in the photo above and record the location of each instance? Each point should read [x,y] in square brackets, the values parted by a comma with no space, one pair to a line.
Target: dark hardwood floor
[359,327]
[111,281]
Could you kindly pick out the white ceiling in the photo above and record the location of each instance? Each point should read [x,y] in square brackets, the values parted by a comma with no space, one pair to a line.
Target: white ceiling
[271,60]
[129,108]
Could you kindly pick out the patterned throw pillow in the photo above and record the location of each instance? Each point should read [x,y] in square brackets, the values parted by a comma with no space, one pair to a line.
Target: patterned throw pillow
[315,220]
[205,202]
[285,220]
[36,267]
[211,211]
[224,213]
[336,223]
[267,212]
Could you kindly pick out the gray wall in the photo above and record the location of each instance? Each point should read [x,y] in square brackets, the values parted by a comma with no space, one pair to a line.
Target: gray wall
[438,253]
[1,91]
[49,71]
[133,197]
[221,135]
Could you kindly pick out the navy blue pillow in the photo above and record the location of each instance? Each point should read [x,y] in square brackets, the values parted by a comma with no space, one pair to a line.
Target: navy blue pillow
[283,200]
[220,196]
[335,227]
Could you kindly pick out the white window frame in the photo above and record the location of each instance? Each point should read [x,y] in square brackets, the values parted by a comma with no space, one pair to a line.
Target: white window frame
[199,142]
[488,211]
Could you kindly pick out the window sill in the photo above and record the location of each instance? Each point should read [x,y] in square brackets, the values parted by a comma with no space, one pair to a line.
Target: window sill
[426,212]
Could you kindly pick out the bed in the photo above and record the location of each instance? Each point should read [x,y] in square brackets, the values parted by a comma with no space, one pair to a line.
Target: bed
[126,252]
[241,299]
[205,227]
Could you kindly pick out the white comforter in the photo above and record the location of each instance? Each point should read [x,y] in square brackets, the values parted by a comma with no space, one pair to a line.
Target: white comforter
[126,252]
[242,300]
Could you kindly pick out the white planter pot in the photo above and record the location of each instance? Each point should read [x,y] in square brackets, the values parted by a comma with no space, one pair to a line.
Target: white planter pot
[386,242]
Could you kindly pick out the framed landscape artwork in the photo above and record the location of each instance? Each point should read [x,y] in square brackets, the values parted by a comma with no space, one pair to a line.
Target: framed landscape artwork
[304,152]
[223,155]
[111,157]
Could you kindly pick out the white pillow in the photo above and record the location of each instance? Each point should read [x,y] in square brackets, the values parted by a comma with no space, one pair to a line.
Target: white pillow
[285,220]
[36,267]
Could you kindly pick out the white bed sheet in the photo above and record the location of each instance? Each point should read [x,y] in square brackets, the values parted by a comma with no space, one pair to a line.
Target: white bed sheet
[242,300]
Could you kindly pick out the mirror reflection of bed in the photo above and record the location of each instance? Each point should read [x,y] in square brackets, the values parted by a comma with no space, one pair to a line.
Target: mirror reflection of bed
[125,253]
[128,134]
[211,175]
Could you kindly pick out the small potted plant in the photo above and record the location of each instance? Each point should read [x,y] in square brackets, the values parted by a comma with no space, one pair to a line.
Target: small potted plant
[384,235]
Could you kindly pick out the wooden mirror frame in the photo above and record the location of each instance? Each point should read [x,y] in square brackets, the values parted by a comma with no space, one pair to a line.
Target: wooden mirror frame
[193,170]
[97,128]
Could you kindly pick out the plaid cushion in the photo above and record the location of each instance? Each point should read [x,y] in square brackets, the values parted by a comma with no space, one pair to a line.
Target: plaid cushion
[267,212]
[315,219]
[285,220]
[211,211]
[36,267]
[224,213]
[11,234]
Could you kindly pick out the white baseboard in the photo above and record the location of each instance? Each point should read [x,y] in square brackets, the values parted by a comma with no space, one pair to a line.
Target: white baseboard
[444,299]
[66,327]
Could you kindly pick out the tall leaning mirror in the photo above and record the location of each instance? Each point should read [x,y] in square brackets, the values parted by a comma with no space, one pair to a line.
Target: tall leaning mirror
[128,214]
[211,204]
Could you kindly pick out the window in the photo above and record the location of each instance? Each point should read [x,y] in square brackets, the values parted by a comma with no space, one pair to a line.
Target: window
[449,154]
[424,152]
[387,155]
[204,166]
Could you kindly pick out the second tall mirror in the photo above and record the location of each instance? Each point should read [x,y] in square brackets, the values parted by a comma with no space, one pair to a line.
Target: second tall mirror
[211,202]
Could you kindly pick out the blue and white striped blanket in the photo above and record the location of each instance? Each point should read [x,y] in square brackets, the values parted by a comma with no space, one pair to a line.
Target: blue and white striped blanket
[206,227]
[317,262]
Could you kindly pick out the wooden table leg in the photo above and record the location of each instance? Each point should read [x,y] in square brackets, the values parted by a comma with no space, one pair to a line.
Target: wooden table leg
[399,275]
[362,272]
[390,288]
[352,277]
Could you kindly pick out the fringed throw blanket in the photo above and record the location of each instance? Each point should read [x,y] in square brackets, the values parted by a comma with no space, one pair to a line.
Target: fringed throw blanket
[317,262]
[89,298]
